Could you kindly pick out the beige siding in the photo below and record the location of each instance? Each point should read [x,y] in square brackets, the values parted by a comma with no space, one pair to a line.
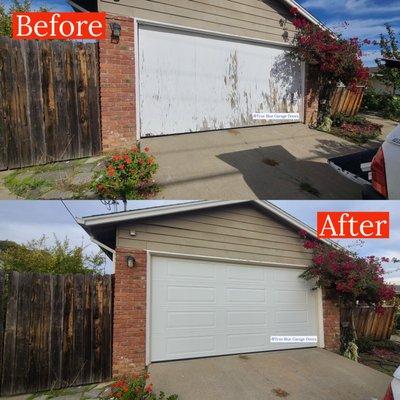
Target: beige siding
[239,232]
[250,18]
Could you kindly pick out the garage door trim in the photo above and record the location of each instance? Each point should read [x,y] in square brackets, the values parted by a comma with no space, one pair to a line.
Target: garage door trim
[144,22]
[151,254]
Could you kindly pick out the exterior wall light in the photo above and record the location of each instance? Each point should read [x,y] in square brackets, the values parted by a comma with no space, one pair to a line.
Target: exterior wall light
[115,32]
[130,261]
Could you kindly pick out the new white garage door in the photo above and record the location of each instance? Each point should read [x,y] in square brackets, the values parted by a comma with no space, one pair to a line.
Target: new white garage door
[201,308]
[190,82]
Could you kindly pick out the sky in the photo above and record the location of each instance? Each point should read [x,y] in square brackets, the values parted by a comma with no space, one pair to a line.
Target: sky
[365,18]
[26,220]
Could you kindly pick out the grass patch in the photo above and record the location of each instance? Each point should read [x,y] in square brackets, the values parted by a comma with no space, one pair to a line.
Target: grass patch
[24,187]
[307,187]
[68,391]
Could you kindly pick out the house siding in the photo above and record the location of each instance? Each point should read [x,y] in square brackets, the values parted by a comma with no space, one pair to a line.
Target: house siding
[265,20]
[238,232]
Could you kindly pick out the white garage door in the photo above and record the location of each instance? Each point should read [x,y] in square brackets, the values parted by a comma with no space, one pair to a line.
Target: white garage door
[202,308]
[190,82]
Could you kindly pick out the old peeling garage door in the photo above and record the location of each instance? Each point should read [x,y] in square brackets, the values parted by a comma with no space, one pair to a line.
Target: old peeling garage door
[202,308]
[190,82]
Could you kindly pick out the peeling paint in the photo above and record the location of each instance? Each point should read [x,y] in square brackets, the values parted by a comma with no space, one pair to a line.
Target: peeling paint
[198,82]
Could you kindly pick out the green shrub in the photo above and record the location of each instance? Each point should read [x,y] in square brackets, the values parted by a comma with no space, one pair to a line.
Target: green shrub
[386,344]
[372,101]
[388,105]
[392,107]
[339,119]
[365,344]
[398,322]
[127,175]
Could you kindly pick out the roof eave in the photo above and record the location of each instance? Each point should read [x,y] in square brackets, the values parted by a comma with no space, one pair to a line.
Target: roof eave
[88,223]
[306,14]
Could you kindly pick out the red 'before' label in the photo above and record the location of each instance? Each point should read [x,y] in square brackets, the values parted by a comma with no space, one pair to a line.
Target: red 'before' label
[63,25]
[353,225]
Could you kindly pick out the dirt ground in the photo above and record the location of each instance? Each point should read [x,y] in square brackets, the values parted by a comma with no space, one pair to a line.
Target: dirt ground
[384,358]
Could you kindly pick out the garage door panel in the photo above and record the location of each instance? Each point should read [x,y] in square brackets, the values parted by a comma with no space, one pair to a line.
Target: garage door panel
[245,295]
[240,314]
[291,317]
[191,319]
[246,318]
[191,294]
[191,82]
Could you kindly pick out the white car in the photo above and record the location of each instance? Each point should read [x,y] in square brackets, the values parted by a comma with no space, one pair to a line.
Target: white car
[377,170]
[393,392]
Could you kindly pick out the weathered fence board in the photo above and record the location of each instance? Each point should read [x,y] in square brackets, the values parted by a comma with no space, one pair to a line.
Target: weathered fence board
[49,101]
[347,102]
[57,332]
[377,326]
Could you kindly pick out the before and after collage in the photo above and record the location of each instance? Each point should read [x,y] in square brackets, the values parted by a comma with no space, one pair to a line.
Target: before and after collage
[200,199]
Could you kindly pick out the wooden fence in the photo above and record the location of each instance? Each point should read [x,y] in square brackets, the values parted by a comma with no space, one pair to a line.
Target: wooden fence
[371,324]
[58,331]
[49,101]
[346,101]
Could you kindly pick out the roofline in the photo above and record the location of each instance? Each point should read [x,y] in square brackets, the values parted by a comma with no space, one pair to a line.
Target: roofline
[150,212]
[76,6]
[117,218]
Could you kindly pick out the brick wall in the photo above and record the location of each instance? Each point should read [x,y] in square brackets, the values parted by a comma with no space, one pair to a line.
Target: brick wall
[129,336]
[117,86]
[331,312]
[311,95]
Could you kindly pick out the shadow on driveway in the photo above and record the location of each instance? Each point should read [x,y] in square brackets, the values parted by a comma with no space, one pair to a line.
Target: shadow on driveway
[273,172]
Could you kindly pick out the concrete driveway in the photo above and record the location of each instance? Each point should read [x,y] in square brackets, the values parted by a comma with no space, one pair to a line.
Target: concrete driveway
[306,374]
[287,161]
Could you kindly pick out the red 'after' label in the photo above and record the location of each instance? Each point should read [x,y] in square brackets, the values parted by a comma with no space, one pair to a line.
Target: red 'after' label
[61,26]
[353,225]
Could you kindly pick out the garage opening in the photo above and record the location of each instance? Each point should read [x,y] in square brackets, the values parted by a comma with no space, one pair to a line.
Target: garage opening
[204,308]
[192,82]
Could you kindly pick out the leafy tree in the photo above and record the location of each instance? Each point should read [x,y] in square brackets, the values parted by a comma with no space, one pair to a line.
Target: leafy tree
[55,258]
[6,13]
[7,244]
[390,48]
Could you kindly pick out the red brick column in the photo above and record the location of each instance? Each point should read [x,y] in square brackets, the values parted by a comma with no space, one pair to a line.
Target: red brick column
[331,312]
[117,86]
[129,335]
[311,95]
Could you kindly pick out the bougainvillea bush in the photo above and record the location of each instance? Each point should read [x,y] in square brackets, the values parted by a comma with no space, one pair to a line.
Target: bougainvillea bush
[336,59]
[136,388]
[353,279]
[127,175]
